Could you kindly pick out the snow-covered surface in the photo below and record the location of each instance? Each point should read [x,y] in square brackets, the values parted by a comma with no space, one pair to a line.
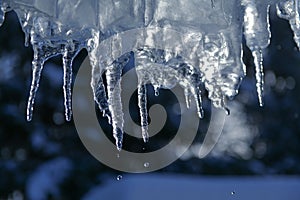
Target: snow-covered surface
[179,187]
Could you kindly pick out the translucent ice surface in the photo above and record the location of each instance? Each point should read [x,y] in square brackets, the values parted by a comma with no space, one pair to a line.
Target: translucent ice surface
[196,44]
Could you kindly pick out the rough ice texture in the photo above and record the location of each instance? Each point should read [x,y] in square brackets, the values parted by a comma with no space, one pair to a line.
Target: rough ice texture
[190,43]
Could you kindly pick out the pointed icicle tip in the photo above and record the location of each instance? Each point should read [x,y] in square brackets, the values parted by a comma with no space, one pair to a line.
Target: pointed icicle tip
[29,117]
[200,107]
[259,74]
[201,113]
[118,135]
[145,134]
[119,147]
[213,3]
[156,90]
[224,106]
[142,102]
[227,111]
[198,99]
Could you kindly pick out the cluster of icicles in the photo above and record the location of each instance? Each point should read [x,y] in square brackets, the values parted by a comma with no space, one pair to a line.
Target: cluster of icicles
[205,48]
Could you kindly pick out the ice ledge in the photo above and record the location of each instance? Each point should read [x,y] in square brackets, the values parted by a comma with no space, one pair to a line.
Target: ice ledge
[197,42]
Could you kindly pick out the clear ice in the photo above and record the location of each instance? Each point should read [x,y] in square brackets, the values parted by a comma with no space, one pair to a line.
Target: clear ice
[192,43]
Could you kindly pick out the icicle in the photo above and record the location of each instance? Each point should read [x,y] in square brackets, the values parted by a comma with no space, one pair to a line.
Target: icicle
[37,67]
[2,14]
[187,95]
[223,104]
[297,16]
[26,42]
[296,27]
[259,74]
[142,98]
[257,33]
[68,57]
[212,3]
[97,84]
[198,99]
[41,55]
[113,77]
[289,10]
[195,91]
[101,99]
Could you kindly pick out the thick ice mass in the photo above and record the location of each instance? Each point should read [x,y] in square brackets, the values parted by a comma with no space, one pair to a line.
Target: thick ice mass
[191,43]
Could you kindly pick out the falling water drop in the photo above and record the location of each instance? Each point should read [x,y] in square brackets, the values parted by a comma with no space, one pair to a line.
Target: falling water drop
[146,164]
[156,91]
[232,192]
[227,111]
[119,177]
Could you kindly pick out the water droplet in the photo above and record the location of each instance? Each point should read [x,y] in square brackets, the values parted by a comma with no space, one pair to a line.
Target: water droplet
[156,91]
[118,155]
[119,177]
[232,193]
[146,164]
[227,111]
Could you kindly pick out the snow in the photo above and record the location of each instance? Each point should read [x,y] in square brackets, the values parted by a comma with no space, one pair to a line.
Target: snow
[178,187]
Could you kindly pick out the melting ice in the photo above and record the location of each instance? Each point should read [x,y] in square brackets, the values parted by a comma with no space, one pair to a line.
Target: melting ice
[191,43]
